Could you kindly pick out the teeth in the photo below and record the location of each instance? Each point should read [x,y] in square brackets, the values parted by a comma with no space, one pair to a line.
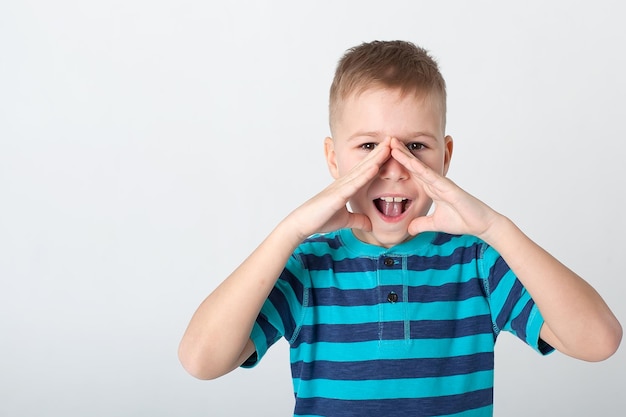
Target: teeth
[393,199]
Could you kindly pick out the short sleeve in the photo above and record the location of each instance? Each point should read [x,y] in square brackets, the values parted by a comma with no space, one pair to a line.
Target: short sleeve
[512,308]
[281,314]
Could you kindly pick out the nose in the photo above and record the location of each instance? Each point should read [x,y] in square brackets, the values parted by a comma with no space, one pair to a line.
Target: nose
[393,170]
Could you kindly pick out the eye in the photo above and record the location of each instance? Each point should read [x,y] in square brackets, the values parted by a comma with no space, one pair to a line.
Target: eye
[368,146]
[415,147]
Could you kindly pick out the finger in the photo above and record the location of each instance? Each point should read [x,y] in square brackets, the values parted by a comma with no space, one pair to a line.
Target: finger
[433,181]
[366,170]
[400,153]
[379,155]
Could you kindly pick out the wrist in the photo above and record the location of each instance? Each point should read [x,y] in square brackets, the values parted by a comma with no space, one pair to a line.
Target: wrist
[499,230]
[289,231]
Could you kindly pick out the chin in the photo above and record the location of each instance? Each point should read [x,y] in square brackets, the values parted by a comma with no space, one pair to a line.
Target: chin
[386,239]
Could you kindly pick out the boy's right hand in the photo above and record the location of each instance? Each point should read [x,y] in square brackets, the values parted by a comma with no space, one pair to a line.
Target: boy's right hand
[327,211]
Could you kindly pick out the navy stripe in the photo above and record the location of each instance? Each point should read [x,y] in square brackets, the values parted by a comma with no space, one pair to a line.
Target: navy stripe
[460,256]
[393,368]
[518,324]
[334,243]
[506,310]
[448,329]
[394,330]
[442,238]
[397,407]
[326,262]
[277,298]
[270,332]
[496,273]
[337,333]
[544,347]
[292,281]
[454,291]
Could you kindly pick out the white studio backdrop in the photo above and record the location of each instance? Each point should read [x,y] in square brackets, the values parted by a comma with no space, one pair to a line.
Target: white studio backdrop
[146,147]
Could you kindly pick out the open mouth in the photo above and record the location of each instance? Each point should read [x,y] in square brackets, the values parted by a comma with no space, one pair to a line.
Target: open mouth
[392,206]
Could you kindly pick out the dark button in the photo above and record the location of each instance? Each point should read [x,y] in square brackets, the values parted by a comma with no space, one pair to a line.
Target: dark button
[392,297]
[389,261]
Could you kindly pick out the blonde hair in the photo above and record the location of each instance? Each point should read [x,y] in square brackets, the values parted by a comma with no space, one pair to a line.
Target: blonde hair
[386,64]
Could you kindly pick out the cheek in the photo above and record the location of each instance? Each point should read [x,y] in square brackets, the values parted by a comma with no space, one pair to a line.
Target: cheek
[435,162]
[345,164]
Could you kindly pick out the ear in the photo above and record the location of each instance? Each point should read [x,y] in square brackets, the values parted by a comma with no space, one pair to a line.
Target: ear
[449,146]
[331,157]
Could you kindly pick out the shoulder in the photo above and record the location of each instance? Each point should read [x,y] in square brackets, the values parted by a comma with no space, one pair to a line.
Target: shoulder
[442,239]
[446,244]
[320,250]
[322,242]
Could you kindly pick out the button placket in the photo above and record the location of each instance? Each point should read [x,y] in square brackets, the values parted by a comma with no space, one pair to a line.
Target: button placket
[392,296]
[391,301]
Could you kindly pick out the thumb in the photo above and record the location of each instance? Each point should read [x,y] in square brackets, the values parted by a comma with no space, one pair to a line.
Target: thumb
[359,221]
[421,224]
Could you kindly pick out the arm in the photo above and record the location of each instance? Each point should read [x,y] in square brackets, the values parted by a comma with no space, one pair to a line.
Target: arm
[217,339]
[577,320]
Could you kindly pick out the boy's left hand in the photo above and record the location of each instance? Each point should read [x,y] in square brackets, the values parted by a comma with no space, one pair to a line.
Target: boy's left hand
[455,211]
[577,321]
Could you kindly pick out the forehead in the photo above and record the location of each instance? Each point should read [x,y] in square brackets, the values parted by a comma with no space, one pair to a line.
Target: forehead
[389,111]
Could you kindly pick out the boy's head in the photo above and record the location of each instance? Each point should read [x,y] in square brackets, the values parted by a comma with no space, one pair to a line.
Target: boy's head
[381,90]
[386,64]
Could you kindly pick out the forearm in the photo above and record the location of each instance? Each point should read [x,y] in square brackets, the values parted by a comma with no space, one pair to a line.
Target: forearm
[579,323]
[220,328]
[217,336]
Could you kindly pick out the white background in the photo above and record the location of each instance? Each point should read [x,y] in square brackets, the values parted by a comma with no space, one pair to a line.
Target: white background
[146,147]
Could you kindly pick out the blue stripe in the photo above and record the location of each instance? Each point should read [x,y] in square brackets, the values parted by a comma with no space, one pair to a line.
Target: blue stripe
[443,310]
[394,330]
[401,407]
[393,368]
[486,411]
[393,388]
[338,297]
[395,349]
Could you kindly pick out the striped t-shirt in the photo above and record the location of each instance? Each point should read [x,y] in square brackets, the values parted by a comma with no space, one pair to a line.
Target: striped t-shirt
[401,331]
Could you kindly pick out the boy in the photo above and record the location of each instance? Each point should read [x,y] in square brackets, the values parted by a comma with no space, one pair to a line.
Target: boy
[390,310]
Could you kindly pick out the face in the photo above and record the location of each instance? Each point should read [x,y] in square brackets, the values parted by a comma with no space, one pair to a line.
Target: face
[393,198]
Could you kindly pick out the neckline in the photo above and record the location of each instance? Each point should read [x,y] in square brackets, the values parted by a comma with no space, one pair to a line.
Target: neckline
[411,246]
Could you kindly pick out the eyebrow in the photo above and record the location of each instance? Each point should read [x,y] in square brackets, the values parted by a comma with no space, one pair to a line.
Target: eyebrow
[378,134]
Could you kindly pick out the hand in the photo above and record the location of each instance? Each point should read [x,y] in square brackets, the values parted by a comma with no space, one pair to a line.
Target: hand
[455,211]
[327,211]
